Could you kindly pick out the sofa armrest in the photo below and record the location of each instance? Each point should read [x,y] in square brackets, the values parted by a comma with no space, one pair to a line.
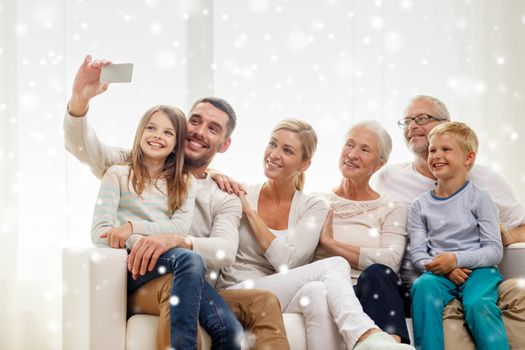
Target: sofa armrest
[513,263]
[94,299]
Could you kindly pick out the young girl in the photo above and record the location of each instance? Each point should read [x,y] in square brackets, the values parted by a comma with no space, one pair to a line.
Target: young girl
[154,194]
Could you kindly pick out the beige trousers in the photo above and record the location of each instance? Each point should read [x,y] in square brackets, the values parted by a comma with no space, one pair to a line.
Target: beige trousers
[258,311]
[511,302]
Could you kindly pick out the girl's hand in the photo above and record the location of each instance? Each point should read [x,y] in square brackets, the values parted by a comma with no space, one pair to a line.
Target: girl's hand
[117,236]
[327,232]
[226,183]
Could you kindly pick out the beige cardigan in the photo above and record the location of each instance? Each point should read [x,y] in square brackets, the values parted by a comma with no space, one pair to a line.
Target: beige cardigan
[377,226]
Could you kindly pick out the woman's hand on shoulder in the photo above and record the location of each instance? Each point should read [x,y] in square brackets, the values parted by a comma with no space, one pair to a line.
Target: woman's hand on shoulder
[246,207]
[226,183]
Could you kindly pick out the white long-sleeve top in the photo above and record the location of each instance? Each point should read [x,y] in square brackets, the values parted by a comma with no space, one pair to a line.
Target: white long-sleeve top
[377,226]
[290,249]
[216,215]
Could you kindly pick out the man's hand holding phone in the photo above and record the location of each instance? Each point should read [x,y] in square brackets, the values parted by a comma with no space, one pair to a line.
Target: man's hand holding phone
[92,79]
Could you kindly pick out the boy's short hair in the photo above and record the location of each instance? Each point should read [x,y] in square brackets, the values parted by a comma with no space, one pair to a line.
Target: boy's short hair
[466,137]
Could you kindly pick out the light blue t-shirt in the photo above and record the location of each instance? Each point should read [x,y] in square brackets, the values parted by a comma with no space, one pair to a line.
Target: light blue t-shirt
[466,224]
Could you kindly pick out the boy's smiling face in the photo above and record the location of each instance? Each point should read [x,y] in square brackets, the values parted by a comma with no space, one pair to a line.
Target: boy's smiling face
[446,158]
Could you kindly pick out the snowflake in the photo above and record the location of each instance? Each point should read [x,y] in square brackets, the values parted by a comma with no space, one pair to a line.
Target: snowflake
[248,284]
[373,232]
[258,6]
[297,40]
[393,41]
[174,300]
[377,23]
[304,301]
[406,4]
[156,28]
[220,254]
[283,269]
[162,269]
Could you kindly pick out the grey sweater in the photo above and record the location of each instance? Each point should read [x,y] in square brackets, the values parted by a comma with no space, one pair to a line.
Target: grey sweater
[466,224]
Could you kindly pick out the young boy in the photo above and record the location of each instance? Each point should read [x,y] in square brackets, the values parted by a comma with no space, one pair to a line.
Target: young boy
[455,239]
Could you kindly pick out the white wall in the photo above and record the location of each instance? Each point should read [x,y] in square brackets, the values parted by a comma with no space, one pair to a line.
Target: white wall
[329,62]
[335,62]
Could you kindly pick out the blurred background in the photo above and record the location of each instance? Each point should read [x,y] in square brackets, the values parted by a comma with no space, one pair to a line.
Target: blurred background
[330,62]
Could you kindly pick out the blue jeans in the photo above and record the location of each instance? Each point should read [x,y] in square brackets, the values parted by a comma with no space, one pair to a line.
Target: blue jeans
[193,300]
[431,293]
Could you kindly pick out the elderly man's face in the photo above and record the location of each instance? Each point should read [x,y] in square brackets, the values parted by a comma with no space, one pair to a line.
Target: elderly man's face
[416,136]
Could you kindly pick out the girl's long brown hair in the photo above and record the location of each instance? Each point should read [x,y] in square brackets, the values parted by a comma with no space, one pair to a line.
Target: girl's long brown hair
[173,171]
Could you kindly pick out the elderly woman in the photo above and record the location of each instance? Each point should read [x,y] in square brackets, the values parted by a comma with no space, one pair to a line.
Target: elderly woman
[278,235]
[368,229]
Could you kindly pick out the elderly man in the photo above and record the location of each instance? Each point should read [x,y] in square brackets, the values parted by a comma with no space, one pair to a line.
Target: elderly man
[216,215]
[407,181]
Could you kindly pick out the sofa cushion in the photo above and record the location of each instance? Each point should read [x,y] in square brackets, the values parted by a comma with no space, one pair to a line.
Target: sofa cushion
[141,331]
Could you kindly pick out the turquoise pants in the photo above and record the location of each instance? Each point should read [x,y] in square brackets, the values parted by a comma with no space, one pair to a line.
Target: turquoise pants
[431,293]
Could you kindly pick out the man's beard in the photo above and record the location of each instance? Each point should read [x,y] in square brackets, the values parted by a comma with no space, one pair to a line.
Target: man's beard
[196,163]
[420,151]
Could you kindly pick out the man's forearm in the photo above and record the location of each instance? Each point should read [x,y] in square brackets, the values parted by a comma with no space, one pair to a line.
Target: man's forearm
[77,106]
[512,235]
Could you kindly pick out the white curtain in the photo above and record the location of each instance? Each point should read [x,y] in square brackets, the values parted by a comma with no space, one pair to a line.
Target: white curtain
[329,62]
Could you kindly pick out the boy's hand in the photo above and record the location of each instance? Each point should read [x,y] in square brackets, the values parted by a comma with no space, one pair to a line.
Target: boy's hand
[442,264]
[117,236]
[459,275]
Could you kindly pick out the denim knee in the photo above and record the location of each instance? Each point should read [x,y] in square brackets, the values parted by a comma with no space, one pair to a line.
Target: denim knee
[220,322]
[178,259]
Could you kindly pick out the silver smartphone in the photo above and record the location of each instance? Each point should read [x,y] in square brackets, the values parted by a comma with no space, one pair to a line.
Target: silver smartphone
[116,73]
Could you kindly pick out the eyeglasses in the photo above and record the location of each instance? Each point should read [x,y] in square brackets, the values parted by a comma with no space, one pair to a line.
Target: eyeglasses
[419,119]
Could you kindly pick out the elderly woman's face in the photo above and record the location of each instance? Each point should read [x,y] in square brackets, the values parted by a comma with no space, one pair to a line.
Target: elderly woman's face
[360,157]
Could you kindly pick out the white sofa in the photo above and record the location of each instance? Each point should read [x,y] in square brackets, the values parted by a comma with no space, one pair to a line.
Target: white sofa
[94,302]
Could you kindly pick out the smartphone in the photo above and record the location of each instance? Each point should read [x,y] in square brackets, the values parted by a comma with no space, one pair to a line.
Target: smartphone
[116,73]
